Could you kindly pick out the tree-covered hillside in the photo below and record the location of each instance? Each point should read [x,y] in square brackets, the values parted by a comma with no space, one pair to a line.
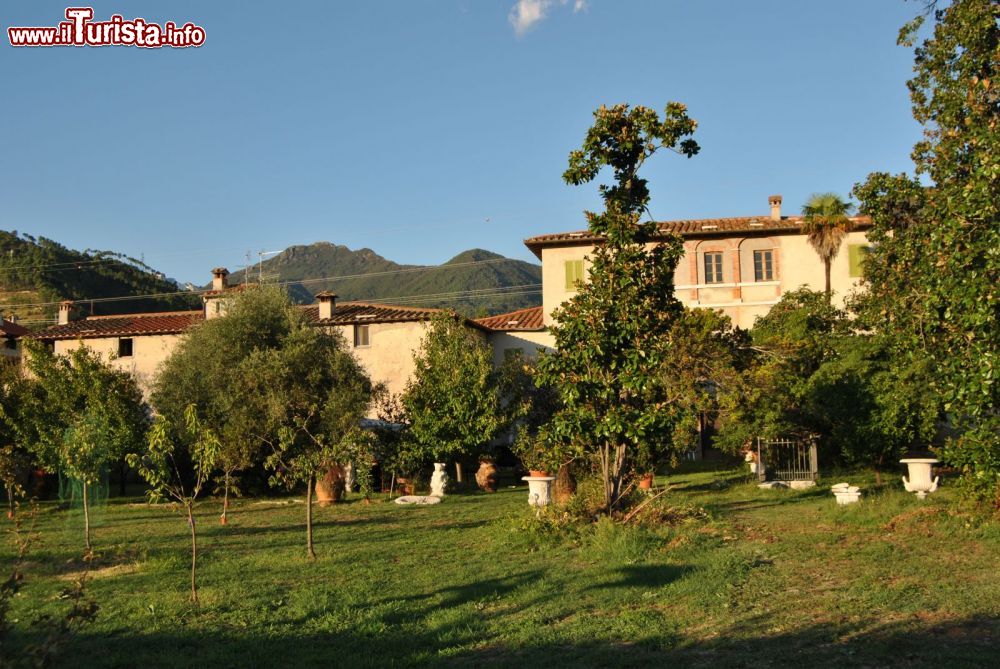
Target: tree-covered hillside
[475,282]
[36,271]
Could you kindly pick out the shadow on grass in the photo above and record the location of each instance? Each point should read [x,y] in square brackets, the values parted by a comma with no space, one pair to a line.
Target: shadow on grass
[415,643]
[644,576]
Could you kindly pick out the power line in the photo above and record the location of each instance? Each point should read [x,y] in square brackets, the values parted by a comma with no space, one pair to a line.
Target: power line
[125,298]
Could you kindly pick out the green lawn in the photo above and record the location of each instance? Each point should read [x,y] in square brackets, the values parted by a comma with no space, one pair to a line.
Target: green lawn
[761,578]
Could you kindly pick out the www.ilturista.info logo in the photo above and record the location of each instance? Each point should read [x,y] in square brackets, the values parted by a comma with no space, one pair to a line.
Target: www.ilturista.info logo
[80,30]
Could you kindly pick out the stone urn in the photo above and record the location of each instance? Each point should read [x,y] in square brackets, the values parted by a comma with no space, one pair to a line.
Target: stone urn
[330,488]
[486,477]
[846,493]
[920,476]
[539,490]
[439,480]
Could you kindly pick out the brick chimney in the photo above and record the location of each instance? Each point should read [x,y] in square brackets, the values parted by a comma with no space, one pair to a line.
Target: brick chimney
[65,308]
[219,275]
[327,304]
[775,202]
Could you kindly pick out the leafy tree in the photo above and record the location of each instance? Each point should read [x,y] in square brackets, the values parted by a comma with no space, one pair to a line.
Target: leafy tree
[86,415]
[611,335]
[205,370]
[453,399]
[313,393]
[826,223]
[773,397]
[160,465]
[933,271]
[14,458]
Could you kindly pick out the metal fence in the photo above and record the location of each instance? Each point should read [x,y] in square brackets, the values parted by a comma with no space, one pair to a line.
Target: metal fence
[786,460]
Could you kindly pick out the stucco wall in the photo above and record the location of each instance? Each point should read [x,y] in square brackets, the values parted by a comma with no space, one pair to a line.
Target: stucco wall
[528,342]
[739,296]
[388,358]
[148,353]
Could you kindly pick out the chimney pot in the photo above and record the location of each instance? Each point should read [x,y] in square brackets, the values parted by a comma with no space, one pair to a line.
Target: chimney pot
[219,275]
[327,304]
[65,308]
[775,202]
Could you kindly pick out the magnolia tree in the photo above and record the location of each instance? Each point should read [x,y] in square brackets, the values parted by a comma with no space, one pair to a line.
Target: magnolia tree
[159,465]
[452,401]
[312,393]
[85,416]
[933,272]
[611,337]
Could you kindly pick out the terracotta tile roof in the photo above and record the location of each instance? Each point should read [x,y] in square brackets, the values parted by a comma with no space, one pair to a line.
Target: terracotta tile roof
[124,325]
[706,227]
[522,319]
[359,313]
[12,329]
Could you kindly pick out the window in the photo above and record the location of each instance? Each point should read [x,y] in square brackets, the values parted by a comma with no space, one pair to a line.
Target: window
[124,348]
[713,267]
[856,259]
[360,336]
[763,265]
[574,274]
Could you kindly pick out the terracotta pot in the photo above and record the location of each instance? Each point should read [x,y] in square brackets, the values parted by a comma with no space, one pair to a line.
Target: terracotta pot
[405,486]
[486,477]
[330,488]
[537,472]
[646,482]
[565,485]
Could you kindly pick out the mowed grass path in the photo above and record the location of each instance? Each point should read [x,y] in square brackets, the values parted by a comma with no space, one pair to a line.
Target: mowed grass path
[761,579]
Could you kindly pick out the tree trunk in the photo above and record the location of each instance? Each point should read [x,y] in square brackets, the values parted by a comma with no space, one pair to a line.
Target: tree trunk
[826,270]
[878,476]
[194,552]
[458,472]
[223,519]
[86,519]
[122,473]
[10,501]
[309,519]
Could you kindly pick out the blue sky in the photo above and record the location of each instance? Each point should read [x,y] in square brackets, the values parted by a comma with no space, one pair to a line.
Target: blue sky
[421,129]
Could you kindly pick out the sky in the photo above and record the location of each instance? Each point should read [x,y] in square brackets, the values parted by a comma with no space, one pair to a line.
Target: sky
[420,129]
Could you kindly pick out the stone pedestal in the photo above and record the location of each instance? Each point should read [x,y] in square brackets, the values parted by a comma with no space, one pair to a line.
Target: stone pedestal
[439,480]
[846,493]
[539,489]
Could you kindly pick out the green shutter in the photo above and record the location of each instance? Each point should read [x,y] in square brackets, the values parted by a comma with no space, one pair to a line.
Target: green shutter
[574,273]
[856,257]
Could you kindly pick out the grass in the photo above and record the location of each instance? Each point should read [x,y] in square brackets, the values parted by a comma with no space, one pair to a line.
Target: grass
[740,577]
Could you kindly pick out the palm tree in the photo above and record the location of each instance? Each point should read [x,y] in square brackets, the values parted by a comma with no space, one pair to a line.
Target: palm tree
[826,223]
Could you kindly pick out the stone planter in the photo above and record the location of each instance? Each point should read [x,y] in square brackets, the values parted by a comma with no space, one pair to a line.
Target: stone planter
[846,493]
[439,480]
[920,476]
[539,490]
[486,477]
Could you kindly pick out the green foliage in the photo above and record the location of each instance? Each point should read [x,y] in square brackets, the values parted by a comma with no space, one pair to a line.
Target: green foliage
[15,459]
[934,270]
[611,336]
[208,370]
[528,405]
[81,416]
[453,399]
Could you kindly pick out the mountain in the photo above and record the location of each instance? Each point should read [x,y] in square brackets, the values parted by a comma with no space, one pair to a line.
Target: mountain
[36,271]
[365,275]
